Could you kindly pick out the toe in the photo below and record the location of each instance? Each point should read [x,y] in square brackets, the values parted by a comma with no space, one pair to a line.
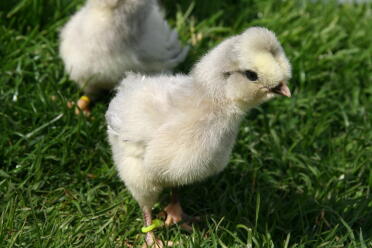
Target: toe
[186,227]
[190,219]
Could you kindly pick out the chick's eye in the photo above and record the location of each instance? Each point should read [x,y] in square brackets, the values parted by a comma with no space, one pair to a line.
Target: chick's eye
[251,75]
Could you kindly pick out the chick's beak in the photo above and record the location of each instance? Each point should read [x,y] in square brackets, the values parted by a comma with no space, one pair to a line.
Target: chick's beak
[281,89]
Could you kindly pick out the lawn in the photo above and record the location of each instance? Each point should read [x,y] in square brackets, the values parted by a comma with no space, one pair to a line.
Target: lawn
[301,171]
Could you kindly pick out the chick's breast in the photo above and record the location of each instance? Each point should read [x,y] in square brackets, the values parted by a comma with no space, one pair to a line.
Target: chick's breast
[182,142]
[188,150]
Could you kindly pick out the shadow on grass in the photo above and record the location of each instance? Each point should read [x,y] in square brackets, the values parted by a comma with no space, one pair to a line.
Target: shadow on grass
[272,210]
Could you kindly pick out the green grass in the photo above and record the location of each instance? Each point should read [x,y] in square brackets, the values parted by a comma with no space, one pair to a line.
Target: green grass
[301,171]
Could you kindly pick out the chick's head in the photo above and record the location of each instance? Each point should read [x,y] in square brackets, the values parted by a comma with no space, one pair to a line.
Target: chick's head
[247,69]
[258,68]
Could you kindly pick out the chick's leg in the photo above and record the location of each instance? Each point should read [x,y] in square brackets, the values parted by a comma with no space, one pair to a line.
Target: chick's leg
[150,237]
[151,241]
[175,213]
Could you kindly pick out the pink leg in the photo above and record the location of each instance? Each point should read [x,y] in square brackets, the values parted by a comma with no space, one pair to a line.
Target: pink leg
[151,241]
[150,237]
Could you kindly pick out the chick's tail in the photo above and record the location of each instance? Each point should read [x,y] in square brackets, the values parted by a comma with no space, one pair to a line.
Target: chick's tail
[160,47]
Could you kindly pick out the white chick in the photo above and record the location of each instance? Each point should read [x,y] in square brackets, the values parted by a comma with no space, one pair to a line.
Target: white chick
[106,38]
[167,131]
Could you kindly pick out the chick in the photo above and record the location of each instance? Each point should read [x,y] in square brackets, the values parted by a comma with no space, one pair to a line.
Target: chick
[106,38]
[167,131]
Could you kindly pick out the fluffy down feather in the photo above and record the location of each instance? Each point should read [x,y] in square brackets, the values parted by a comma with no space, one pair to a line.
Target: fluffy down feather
[106,38]
[167,131]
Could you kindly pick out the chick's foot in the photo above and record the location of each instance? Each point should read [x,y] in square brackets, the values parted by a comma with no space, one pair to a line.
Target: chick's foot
[81,105]
[175,215]
[152,242]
